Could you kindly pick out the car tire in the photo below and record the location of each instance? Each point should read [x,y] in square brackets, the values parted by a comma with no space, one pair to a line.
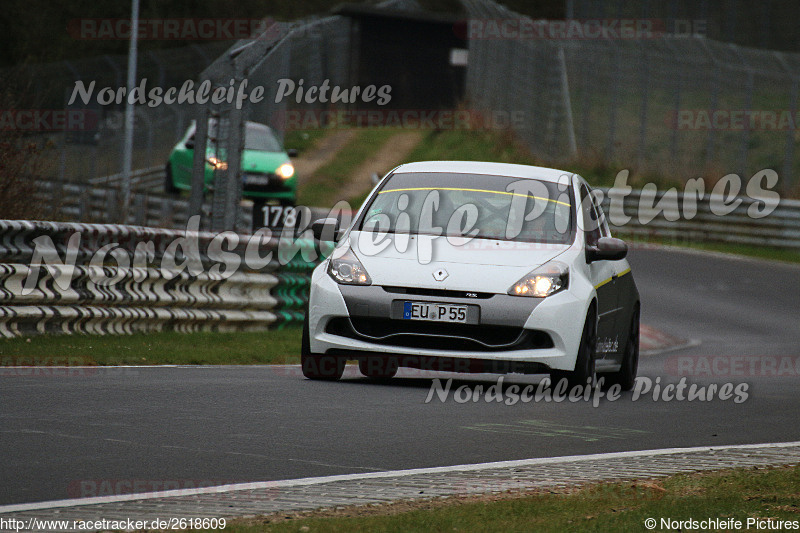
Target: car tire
[625,377]
[318,366]
[585,363]
[378,367]
[169,186]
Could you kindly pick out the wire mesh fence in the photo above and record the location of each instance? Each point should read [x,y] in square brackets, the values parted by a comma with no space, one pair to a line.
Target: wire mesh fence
[94,150]
[308,53]
[680,107]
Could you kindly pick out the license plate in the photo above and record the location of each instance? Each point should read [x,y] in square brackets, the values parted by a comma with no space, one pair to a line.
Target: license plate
[256,179]
[434,312]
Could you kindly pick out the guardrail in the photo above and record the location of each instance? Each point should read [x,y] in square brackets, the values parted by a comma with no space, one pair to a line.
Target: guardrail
[98,202]
[145,179]
[683,219]
[87,202]
[145,282]
[146,296]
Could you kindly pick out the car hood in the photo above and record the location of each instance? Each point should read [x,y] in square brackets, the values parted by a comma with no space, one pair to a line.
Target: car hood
[258,161]
[480,265]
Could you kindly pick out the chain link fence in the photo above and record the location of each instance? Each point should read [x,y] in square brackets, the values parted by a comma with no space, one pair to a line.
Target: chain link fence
[643,104]
[310,52]
[679,107]
[96,150]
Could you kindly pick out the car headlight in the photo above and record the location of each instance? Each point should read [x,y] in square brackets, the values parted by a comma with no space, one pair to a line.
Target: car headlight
[543,281]
[218,164]
[285,171]
[347,269]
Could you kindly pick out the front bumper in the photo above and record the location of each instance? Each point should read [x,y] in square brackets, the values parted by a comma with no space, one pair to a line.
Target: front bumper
[357,320]
[268,185]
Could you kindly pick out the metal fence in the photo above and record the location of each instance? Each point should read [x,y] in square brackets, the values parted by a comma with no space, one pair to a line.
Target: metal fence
[79,155]
[616,103]
[642,103]
[312,51]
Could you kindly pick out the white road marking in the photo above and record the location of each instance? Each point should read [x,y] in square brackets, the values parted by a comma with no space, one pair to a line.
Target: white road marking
[76,502]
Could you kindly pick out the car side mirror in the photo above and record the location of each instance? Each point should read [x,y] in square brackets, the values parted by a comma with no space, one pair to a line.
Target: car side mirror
[607,249]
[327,229]
[291,152]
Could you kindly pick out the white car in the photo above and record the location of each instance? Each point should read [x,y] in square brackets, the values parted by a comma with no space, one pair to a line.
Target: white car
[474,267]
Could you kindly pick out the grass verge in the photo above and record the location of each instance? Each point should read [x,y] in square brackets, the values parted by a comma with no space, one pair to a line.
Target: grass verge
[746,250]
[735,494]
[323,188]
[302,140]
[503,147]
[162,348]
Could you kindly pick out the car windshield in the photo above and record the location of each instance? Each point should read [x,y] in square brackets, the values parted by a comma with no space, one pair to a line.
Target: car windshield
[475,205]
[261,139]
[257,137]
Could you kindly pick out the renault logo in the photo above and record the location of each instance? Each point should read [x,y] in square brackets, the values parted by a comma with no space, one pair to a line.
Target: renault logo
[440,275]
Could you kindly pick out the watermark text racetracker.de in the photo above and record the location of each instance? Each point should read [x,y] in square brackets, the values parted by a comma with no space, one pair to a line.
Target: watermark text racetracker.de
[28,120]
[407,119]
[208,29]
[733,366]
[518,28]
[66,366]
[94,488]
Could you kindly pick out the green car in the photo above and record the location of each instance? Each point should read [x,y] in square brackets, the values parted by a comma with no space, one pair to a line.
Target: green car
[267,173]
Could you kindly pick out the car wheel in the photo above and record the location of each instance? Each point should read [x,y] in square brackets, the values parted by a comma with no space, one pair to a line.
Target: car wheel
[625,377]
[169,186]
[585,363]
[378,367]
[318,366]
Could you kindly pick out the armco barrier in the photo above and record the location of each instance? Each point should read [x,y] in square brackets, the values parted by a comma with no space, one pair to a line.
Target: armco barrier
[139,285]
[274,294]
[98,202]
[687,220]
[101,202]
[145,179]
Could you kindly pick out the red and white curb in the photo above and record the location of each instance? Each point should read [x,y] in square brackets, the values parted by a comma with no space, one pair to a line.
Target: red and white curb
[653,341]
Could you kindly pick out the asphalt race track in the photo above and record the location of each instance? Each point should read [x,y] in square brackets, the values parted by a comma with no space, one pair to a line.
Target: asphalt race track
[66,436]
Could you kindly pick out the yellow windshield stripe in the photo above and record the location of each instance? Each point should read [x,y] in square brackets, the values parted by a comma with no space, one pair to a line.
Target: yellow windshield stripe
[470,190]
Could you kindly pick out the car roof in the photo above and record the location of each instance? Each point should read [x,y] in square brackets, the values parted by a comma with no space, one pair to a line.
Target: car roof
[250,125]
[488,168]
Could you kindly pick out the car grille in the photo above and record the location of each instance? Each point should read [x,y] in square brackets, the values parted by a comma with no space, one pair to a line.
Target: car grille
[438,335]
[438,292]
